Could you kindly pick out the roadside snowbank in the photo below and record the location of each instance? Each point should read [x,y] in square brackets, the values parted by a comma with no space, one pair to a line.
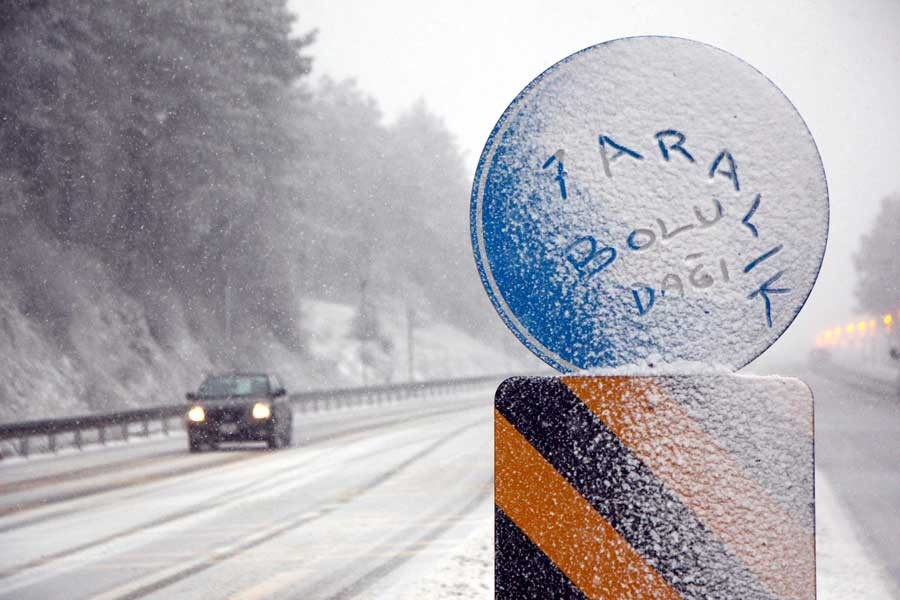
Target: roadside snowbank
[843,567]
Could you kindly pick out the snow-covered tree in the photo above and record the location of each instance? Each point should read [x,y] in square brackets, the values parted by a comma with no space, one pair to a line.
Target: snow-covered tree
[878,261]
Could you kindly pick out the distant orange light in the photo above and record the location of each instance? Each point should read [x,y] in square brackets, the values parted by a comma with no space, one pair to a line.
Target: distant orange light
[851,328]
[888,319]
[828,335]
[861,326]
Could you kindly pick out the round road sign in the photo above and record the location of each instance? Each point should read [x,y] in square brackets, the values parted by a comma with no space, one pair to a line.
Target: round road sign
[649,199]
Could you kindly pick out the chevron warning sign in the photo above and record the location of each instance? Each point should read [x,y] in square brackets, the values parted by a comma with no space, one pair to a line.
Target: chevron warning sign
[679,486]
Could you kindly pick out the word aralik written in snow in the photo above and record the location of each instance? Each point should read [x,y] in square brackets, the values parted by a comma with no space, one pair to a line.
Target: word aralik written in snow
[588,257]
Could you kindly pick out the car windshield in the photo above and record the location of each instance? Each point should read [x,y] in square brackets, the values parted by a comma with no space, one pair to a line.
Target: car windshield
[233,385]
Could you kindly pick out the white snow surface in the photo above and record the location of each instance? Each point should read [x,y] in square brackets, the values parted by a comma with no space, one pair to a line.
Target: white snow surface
[440,351]
[467,572]
[844,569]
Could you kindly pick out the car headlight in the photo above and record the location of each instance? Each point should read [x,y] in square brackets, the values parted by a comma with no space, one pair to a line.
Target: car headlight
[197,414]
[261,410]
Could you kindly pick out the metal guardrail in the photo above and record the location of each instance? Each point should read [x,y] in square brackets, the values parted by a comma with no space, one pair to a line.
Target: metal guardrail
[119,424]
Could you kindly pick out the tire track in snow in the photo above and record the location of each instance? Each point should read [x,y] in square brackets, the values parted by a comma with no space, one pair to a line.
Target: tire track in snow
[159,581]
[307,442]
[410,550]
[259,486]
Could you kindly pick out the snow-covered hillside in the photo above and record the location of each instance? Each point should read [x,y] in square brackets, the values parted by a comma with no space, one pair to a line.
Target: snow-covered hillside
[109,358]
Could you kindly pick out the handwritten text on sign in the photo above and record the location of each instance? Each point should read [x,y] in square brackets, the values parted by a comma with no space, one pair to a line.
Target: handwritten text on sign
[590,257]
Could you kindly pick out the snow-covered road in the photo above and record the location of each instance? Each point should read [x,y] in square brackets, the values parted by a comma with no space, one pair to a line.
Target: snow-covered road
[393,502]
[364,493]
[858,488]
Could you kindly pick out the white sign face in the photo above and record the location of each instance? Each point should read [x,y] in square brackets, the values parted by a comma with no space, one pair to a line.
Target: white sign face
[649,199]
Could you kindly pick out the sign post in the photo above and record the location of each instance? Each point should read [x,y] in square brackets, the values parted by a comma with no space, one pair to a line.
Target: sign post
[649,215]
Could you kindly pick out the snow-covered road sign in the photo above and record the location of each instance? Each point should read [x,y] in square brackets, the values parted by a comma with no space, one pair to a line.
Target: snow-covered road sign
[649,199]
[644,205]
[679,486]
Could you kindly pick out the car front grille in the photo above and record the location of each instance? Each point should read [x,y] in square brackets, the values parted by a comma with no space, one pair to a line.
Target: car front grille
[225,414]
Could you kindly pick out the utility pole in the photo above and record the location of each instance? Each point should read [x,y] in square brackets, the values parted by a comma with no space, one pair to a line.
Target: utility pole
[228,309]
[228,300]
[410,372]
[363,317]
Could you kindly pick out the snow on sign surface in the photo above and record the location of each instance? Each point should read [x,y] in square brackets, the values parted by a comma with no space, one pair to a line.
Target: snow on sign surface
[665,487]
[649,199]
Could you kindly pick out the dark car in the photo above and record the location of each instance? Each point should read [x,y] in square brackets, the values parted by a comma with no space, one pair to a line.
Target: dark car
[239,407]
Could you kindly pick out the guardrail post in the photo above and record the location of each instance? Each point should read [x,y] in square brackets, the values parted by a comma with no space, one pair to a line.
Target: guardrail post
[51,442]
[23,446]
[146,427]
[78,439]
[101,434]
[125,432]
[164,425]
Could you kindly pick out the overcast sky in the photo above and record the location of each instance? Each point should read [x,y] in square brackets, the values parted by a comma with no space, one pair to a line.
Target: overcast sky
[838,62]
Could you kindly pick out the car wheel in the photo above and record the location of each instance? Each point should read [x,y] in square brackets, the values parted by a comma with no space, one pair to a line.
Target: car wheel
[274,440]
[288,434]
[194,444]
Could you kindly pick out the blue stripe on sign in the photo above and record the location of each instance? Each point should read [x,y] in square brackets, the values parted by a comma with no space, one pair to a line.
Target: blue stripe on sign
[525,267]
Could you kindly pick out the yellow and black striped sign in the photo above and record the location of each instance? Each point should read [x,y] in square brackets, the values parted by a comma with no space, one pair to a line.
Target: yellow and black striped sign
[693,486]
